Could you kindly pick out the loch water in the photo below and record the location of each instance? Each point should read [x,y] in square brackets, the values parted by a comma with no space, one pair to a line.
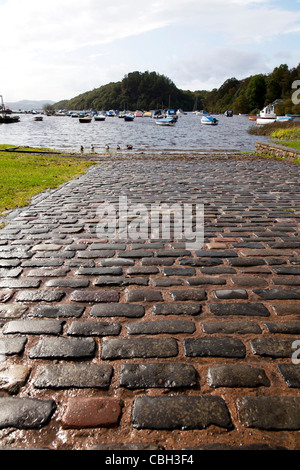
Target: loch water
[68,134]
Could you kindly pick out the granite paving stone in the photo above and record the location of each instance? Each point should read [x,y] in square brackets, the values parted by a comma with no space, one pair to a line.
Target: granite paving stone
[12,345]
[20,284]
[12,311]
[64,348]
[177,308]
[161,326]
[291,374]
[139,347]
[157,375]
[231,327]
[180,412]
[68,282]
[215,347]
[10,272]
[283,327]
[95,296]
[25,413]
[143,295]
[238,375]
[190,294]
[74,376]
[42,295]
[273,347]
[239,308]
[33,327]
[270,413]
[55,311]
[231,294]
[278,294]
[117,310]
[142,342]
[121,281]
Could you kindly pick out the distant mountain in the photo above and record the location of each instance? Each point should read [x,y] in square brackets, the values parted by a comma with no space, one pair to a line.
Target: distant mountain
[27,105]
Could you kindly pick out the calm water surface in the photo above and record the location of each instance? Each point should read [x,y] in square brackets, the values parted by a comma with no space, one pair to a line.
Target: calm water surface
[63,132]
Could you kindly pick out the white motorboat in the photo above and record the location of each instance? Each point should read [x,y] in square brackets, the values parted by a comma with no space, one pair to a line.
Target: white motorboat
[267,115]
[202,113]
[209,120]
[165,122]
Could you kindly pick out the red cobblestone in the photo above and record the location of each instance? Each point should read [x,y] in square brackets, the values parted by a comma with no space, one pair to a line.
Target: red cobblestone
[91,412]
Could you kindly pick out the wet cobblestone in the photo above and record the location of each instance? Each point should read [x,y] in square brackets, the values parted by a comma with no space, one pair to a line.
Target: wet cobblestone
[146,344]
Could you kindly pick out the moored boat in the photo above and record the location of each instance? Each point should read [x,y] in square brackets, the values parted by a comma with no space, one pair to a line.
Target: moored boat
[5,114]
[99,117]
[165,122]
[202,113]
[267,115]
[171,114]
[285,118]
[209,120]
[129,117]
[85,119]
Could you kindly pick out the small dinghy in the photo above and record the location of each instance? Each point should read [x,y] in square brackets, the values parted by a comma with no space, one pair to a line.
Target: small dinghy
[85,119]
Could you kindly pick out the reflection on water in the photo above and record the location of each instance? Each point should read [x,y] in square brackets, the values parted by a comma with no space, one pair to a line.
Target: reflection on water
[63,132]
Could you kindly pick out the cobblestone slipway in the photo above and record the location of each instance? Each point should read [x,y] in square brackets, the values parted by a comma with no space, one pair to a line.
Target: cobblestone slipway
[132,344]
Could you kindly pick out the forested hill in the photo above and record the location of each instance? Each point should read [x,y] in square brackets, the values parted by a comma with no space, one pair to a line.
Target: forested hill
[145,91]
[150,90]
[253,93]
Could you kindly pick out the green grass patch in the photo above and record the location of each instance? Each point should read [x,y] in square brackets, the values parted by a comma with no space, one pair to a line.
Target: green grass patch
[295,144]
[268,129]
[22,175]
[286,134]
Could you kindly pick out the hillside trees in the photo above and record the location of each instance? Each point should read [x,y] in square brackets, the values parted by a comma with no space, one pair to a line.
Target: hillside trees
[150,90]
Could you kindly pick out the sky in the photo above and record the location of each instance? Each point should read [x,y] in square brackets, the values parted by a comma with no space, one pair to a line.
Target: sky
[57,49]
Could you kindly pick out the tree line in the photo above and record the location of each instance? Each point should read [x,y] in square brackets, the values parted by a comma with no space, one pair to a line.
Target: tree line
[150,90]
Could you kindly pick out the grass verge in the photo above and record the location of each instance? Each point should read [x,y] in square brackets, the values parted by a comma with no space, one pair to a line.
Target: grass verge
[268,129]
[23,176]
[295,144]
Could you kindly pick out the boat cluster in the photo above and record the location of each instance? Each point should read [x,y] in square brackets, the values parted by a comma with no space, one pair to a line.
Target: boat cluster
[268,116]
[163,117]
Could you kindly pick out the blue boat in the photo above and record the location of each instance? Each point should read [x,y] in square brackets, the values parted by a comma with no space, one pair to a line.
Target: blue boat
[165,122]
[209,120]
[171,113]
[128,117]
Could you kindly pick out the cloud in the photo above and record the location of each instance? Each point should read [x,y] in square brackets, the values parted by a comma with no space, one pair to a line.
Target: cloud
[209,69]
[62,45]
